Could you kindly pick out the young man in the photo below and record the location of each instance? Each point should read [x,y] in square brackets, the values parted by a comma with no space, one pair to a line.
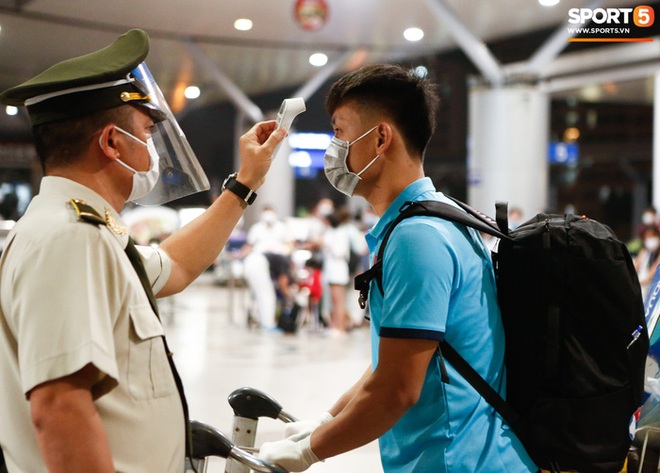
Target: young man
[88,384]
[438,282]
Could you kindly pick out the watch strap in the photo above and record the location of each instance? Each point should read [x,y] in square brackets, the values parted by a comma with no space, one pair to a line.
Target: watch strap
[241,190]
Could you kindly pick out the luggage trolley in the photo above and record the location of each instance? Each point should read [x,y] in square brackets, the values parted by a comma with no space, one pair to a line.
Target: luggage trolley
[209,442]
[249,404]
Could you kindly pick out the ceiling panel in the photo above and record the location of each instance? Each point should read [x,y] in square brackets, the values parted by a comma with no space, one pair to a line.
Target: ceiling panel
[272,55]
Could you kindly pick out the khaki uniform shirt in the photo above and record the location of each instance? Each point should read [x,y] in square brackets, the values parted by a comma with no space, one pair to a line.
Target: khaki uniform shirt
[69,296]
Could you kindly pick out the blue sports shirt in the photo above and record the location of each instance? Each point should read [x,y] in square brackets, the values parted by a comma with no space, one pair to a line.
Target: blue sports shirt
[438,282]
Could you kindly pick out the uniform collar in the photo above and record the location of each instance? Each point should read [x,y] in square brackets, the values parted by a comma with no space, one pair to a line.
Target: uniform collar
[67,189]
[418,190]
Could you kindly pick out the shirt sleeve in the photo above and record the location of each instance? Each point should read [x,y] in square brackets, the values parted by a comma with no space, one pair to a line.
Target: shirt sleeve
[158,266]
[419,268]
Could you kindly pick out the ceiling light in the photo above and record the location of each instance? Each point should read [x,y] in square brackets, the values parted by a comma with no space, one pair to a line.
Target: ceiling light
[318,59]
[243,24]
[11,110]
[192,92]
[548,3]
[413,34]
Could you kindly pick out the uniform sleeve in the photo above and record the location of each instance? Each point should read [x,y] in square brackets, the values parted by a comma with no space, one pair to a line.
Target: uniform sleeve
[64,307]
[158,266]
[418,276]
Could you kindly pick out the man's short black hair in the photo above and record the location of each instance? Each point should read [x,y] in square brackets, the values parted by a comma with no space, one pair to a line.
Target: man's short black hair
[63,142]
[410,101]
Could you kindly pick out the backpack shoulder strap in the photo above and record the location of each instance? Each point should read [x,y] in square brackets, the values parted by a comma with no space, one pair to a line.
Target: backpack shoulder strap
[482,387]
[464,215]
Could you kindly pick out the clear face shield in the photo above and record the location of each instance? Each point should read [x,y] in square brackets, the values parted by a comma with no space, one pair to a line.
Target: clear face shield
[180,172]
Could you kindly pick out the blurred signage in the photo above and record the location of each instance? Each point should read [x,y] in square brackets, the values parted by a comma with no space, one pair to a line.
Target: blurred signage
[307,152]
[560,152]
[311,15]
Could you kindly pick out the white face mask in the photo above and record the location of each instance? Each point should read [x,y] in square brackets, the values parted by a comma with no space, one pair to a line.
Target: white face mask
[652,243]
[143,181]
[648,218]
[268,216]
[336,169]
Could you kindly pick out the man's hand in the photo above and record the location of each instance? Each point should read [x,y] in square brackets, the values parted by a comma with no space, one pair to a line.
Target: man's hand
[292,454]
[256,148]
[306,426]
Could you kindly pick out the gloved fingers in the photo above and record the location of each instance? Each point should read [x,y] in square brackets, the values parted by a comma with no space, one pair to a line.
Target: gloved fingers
[294,428]
[290,455]
[307,425]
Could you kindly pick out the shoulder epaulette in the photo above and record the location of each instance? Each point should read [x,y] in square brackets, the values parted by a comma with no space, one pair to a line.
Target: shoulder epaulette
[87,213]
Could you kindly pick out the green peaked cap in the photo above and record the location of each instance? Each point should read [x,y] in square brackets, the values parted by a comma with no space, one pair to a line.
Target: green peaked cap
[86,84]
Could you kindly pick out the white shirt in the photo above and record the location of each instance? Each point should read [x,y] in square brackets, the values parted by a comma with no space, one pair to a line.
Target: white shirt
[69,296]
[268,237]
[336,252]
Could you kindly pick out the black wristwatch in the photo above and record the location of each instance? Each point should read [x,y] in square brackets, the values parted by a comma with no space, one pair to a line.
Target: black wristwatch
[241,190]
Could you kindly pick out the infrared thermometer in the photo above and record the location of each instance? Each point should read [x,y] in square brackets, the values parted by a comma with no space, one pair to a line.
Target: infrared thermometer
[289,110]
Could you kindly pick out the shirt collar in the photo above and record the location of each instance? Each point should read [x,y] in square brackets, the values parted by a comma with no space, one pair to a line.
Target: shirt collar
[421,189]
[68,189]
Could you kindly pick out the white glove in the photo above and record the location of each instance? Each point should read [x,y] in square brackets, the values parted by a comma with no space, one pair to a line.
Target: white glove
[306,426]
[292,454]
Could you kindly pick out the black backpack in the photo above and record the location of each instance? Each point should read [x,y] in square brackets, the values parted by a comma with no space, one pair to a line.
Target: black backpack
[576,337]
[288,319]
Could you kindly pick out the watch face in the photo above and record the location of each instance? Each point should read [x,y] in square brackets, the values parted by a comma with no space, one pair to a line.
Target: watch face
[231,176]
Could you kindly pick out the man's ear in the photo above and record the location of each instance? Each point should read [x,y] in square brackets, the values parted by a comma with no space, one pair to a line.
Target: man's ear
[107,141]
[384,133]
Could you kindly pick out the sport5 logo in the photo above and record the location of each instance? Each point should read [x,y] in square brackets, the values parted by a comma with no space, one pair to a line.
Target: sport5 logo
[642,16]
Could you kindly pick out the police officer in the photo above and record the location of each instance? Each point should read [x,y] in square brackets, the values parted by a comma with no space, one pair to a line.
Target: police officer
[88,383]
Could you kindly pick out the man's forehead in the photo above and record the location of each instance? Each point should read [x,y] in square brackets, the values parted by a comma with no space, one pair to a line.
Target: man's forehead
[344,113]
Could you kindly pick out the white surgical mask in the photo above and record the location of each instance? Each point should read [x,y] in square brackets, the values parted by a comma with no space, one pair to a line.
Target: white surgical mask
[648,218]
[143,181]
[268,216]
[652,243]
[336,169]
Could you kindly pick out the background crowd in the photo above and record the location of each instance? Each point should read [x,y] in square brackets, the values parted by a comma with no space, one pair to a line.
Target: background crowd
[300,269]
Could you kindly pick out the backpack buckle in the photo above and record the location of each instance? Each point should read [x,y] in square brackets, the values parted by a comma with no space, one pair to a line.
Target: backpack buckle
[362,282]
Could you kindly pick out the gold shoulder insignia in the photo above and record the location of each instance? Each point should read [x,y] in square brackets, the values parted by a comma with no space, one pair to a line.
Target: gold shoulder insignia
[112,224]
[86,213]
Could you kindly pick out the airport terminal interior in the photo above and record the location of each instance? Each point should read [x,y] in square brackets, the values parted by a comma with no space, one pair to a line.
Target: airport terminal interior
[536,109]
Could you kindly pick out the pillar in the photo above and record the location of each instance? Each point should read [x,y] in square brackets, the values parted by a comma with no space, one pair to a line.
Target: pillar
[507,148]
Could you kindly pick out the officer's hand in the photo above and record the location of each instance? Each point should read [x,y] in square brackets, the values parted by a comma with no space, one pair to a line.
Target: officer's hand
[256,148]
[292,454]
[306,426]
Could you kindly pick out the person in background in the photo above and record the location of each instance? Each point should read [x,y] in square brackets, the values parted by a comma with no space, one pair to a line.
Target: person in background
[515,217]
[438,283]
[266,265]
[648,257]
[318,222]
[649,218]
[336,254]
[88,382]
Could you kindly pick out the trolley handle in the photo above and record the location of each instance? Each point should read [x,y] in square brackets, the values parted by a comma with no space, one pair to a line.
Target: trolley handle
[253,403]
[209,441]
